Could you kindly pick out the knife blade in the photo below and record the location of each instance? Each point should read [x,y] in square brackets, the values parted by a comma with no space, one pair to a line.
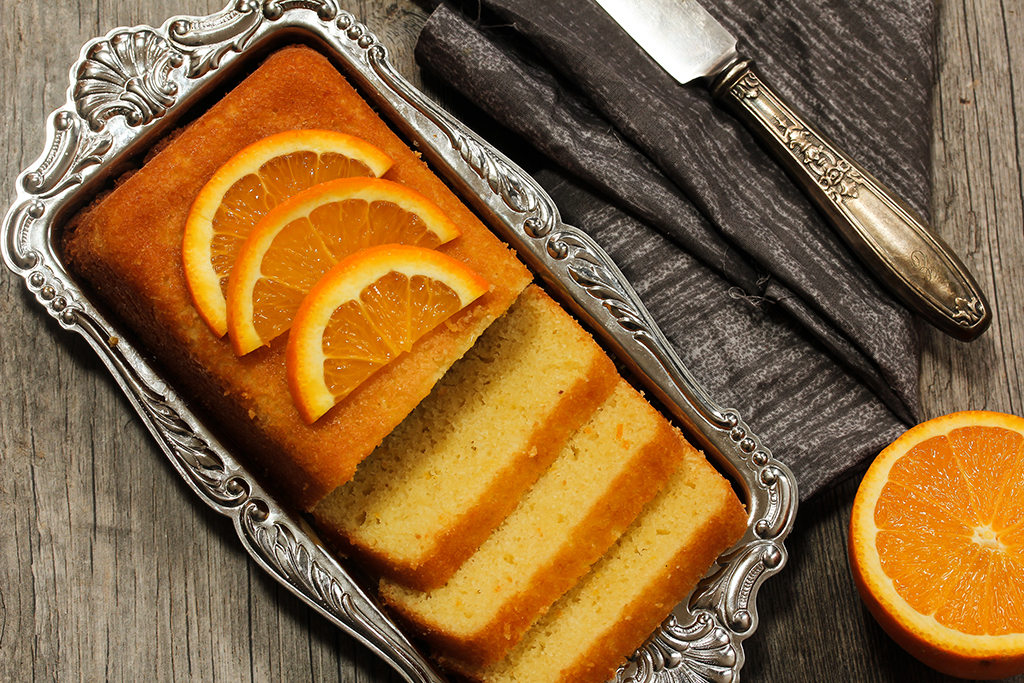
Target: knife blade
[890,238]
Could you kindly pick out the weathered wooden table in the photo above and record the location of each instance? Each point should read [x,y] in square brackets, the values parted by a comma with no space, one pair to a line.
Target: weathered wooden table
[109,571]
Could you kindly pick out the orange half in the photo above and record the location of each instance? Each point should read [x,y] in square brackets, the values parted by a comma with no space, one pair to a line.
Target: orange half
[937,543]
[369,309]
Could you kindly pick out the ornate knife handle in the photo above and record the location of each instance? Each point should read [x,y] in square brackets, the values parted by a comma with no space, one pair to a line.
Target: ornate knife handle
[889,236]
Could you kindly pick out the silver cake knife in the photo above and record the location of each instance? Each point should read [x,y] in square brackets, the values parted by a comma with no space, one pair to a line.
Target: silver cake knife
[888,236]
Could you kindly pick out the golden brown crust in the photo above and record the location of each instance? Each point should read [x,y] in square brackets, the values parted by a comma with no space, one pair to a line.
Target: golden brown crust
[129,249]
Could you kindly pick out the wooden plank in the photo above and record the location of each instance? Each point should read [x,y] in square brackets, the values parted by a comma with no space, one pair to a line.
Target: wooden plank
[978,148]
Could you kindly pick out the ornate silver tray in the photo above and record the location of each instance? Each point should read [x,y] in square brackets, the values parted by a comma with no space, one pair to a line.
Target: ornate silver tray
[129,86]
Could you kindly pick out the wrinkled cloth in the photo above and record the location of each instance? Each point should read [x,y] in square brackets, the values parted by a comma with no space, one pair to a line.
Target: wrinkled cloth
[759,297]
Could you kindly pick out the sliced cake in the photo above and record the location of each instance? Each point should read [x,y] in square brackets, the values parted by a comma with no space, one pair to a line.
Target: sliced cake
[594,489]
[589,632]
[426,499]
[128,248]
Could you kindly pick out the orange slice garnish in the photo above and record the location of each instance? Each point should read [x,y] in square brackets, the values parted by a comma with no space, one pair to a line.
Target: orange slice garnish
[365,312]
[303,238]
[937,543]
[246,188]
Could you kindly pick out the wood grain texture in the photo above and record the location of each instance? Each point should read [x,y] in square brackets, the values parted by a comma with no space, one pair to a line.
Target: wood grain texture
[110,571]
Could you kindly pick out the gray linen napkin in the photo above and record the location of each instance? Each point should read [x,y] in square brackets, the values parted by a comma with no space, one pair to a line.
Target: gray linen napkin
[759,297]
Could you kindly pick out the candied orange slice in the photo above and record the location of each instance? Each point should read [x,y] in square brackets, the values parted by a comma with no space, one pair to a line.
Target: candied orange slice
[369,309]
[937,543]
[303,238]
[249,185]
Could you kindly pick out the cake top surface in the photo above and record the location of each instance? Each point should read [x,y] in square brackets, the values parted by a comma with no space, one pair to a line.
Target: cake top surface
[129,245]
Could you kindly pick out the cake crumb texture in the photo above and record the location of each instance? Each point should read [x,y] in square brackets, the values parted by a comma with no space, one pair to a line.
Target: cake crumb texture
[128,248]
[597,485]
[589,632]
[426,499]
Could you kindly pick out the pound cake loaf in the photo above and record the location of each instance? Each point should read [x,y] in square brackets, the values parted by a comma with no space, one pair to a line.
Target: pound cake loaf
[127,246]
[426,499]
[608,470]
[589,632]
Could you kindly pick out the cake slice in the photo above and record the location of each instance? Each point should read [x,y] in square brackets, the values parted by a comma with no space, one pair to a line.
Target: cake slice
[426,499]
[128,249]
[608,470]
[590,631]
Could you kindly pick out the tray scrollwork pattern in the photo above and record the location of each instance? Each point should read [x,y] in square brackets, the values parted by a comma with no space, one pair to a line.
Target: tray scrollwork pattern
[128,86]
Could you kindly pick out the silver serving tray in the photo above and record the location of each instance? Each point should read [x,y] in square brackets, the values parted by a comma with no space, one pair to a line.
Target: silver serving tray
[129,86]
